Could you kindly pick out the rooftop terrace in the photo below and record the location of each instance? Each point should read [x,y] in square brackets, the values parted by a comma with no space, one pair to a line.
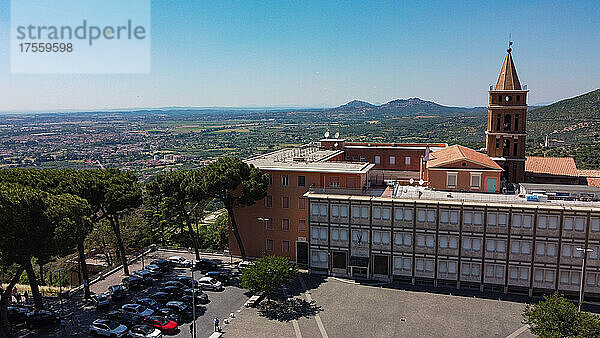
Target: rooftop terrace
[307,158]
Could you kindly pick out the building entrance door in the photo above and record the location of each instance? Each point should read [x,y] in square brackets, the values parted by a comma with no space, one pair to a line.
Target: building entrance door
[380,265]
[491,185]
[302,254]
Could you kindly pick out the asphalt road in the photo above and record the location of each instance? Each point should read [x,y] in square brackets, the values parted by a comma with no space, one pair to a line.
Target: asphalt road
[221,303]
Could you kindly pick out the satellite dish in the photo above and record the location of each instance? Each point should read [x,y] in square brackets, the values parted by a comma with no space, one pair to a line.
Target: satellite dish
[337,135]
[326,134]
[421,182]
[412,181]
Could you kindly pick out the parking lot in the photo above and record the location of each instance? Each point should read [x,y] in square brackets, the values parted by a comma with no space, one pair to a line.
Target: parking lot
[341,308]
[82,314]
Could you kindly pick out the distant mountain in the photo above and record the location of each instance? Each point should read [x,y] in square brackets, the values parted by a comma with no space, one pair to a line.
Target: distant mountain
[582,107]
[400,107]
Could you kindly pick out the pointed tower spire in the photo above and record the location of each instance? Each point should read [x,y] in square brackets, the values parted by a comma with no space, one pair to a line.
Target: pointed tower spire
[508,79]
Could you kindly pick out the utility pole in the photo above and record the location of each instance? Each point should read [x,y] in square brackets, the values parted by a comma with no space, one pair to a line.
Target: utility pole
[193,305]
[585,251]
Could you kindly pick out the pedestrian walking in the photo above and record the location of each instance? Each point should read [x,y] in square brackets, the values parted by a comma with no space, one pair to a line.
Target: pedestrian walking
[26,296]
[217,328]
[18,297]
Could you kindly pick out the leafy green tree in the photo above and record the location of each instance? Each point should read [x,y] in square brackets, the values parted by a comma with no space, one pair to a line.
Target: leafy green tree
[235,184]
[267,274]
[121,192]
[554,316]
[171,190]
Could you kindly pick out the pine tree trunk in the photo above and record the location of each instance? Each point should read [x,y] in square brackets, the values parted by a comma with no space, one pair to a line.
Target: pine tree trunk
[6,296]
[35,290]
[84,270]
[236,233]
[188,222]
[114,222]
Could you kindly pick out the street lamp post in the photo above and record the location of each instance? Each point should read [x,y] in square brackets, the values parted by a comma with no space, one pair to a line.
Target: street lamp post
[585,251]
[263,220]
[193,305]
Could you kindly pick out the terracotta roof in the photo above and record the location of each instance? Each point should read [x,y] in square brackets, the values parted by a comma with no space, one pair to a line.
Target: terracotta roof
[594,182]
[563,166]
[589,173]
[508,79]
[459,153]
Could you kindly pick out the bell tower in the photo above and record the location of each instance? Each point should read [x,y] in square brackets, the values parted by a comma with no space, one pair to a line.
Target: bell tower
[507,117]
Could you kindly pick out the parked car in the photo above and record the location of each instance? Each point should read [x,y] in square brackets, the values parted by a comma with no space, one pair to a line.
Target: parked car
[221,276]
[243,264]
[116,292]
[100,300]
[107,328]
[144,275]
[164,324]
[169,313]
[187,281]
[180,262]
[144,331]
[206,264]
[164,264]
[132,282]
[201,297]
[184,310]
[149,303]
[41,318]
[154,270]
[17,314]
[209,283]
[161,297]
[126,318]
[173,291]
[137,309]
[176,284]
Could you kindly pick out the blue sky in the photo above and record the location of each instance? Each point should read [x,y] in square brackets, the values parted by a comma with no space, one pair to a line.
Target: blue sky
[314,53]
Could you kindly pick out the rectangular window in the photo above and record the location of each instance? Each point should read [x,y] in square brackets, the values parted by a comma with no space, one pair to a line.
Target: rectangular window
[429,241]
[407,239]
[477,218]
[343,210]
[516,221]
[430,216]
[335,234]
[568,223]
[490,245]
[444,217]
[377,212]
[429,265]
[355,211]
[527,221]
[421,240]
[566,251]
[302,181]
[551,249]
[335,210]
[386,213]
[285,180]
[476,244]
[406,264]
[376,237]
[491,219]
[542,222]
[502,219]
[552,222]
[285,202]
[269,244]
[475,181]
[392,160]
[285,246]
[421,214]
[451,267]
[468,218]
[451,179]
[344,235]
[408,215]
[302,203]
[467,243]
[454,217]
[453,243]
[301,225]
[443,242]
[500,246]
[407,161]
[364,212]
[595,224]
[269,201]
[323,209]
[579,224]
[377,159]
[363,159]
[285,224]
[314,209]
[269,222]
